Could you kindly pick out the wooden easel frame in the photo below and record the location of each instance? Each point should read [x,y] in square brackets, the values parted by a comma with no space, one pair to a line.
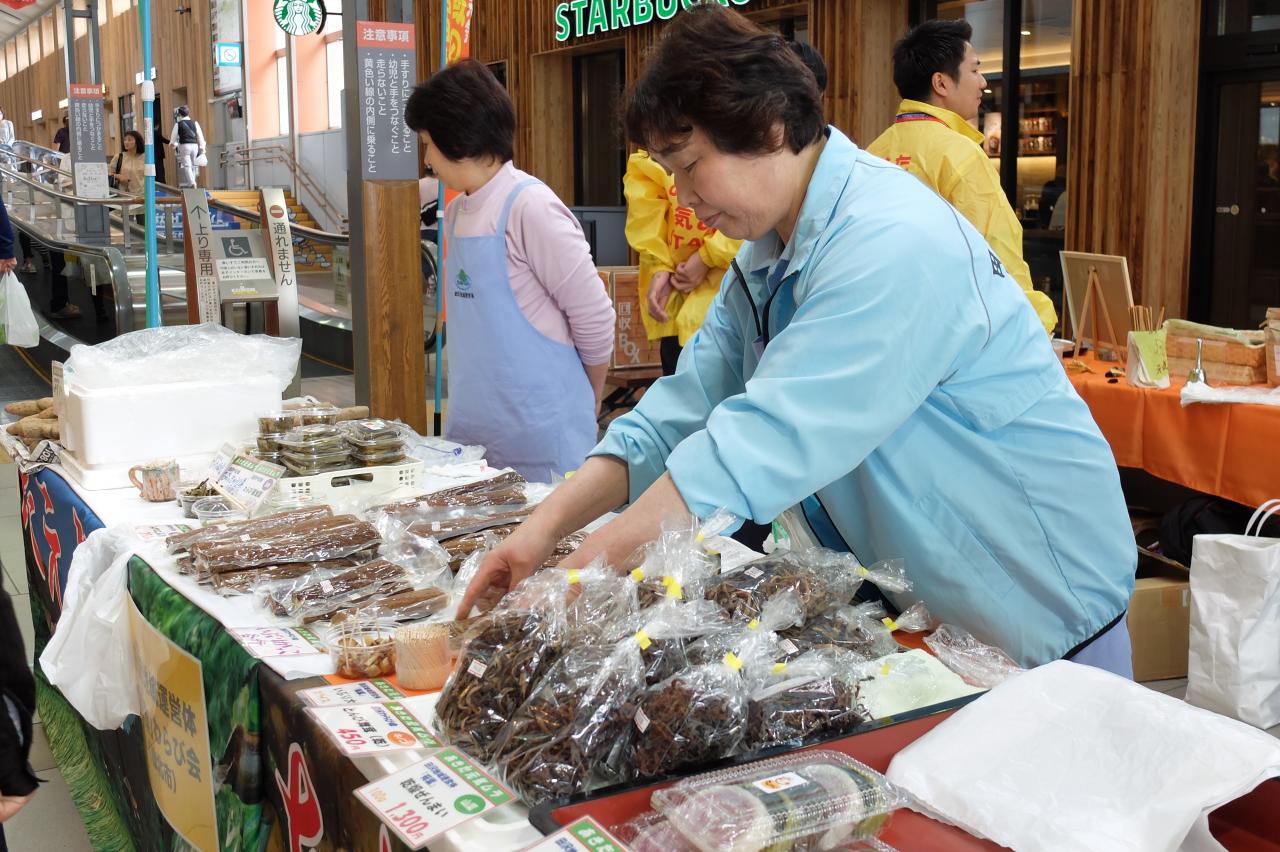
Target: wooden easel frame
[1093,301]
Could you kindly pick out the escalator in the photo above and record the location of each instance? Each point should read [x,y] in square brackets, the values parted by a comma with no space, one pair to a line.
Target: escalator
[105,281]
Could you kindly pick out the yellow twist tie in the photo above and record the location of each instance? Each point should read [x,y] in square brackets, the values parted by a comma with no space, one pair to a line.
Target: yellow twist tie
[863,571]
[637,574]
[574,576]
[884,669]
[643,640]
[674,590]
[889,623]
[731,660]
[753,624]
[699,538]
[779,667]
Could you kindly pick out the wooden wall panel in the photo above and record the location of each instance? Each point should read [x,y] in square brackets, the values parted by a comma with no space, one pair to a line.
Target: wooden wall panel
[181,53]
[1132,140]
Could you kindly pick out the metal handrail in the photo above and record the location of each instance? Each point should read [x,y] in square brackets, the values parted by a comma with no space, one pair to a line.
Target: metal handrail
[243,155]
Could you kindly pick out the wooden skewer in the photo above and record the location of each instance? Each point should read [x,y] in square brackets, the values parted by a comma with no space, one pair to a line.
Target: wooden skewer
[1160,322]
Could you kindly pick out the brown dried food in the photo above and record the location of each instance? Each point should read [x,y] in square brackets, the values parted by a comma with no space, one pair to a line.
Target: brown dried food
[293,519]
[487,492]
[481,519]
[504,655]
[412,605]
[332,538]
[249,580]
[803,709]
[558,741]
[827,632]
[564,548]
[691,719]
[744,593]
[364,655]
[365,580]
[460,547]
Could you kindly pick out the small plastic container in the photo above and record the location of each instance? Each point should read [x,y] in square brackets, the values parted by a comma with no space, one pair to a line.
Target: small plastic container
[312,440]
[324,415]
[218,510]
[270,443]
[373,433]
[278,422]
[313,465]
[363,650]
[394,455]
[814,799]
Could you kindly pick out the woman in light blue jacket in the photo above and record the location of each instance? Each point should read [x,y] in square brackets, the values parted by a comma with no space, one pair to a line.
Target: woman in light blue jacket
[868,360]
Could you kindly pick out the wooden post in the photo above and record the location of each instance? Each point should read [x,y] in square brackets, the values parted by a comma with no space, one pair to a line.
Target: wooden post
[393,301]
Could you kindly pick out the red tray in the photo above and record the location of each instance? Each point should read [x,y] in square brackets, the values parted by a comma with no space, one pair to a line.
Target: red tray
[1249,824]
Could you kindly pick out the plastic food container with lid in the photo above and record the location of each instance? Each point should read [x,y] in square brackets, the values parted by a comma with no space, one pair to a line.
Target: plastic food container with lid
[389,456]
[277,422]
[270,443]
[363,649]
[319,415]
[818,799]
[309,465]
[372,431]
[213,510]
[312,440]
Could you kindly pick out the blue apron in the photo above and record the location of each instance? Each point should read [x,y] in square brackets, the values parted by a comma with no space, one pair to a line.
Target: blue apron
[512,389]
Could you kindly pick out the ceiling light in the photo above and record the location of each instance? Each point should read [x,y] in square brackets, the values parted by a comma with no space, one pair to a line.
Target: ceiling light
[1026,32]
[988,91]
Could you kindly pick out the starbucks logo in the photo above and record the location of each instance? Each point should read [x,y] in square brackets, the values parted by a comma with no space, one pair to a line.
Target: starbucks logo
[300,17]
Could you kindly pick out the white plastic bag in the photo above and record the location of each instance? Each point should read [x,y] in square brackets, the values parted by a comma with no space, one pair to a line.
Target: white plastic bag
[90,657]
[18,326]
[1068,757]
[1233,665]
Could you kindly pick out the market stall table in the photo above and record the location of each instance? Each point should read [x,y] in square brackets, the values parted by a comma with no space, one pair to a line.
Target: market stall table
[1223,449]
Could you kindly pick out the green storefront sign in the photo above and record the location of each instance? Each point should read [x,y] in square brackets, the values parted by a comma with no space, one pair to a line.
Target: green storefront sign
[578,18]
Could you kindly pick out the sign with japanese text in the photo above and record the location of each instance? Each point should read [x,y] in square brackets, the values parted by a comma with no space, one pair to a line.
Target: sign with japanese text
[279,238]
[385,60]
[278,641]
[360,692]
[427,799]
[175,733]
[361,729]
[88,140]
[584,835]
[244,480]
[199,237]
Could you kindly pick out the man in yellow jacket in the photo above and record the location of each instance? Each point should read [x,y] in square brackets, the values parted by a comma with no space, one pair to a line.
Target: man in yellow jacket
[936,71]
[681,260]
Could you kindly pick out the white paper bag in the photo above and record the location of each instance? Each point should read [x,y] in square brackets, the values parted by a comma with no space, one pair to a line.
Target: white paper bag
[1070,758]
[1233,664]
[18,325]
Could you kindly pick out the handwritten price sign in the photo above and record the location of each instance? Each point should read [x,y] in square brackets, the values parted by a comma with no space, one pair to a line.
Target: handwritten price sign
[278,641]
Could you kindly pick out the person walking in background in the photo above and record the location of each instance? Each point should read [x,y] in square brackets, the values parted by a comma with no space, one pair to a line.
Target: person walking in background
[936,71]
[681,259]
[7,136]
[129,168]
[531,328]
[187,137]
[62,139]
[159,141]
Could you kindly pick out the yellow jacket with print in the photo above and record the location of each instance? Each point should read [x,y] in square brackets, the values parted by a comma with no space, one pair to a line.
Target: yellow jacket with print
[947,155]
[665,235]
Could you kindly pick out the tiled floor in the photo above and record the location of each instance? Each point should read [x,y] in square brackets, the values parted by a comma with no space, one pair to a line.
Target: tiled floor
[51,821]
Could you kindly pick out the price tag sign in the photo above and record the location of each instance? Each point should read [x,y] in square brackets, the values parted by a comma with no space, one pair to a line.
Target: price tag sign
[360,692]
[244,480]
[361,729]
[278,641]
[429,798]
[585,835]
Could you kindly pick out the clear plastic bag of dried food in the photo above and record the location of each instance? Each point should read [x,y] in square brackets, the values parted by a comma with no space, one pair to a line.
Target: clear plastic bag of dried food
[807,800]
[324,539]
[268,578]
[664,632]
[557,743]
[316,598]
[678,564]
[888,575]
[780,612]
[505,653]
[822,580]
[815,694]
[505,489]
[977,663]
[264,526]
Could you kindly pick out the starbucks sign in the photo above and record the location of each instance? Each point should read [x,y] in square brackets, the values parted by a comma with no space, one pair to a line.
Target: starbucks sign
[579,18]
[299,17]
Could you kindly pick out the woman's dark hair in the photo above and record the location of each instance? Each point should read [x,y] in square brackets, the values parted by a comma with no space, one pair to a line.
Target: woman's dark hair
[139,146]
[813,60]
[929,48]
[466,111]
[715,70]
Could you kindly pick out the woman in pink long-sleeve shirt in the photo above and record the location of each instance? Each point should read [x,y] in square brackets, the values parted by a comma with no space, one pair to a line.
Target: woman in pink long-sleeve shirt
[530,326]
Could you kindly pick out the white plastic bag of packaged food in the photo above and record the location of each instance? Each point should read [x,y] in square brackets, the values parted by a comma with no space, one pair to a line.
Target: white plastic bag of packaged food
[1233,663]
[90,657]
[1069,758]
[18,326]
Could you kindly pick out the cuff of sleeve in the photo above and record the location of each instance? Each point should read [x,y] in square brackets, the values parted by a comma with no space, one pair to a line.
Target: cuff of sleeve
[643,468]
[704,482]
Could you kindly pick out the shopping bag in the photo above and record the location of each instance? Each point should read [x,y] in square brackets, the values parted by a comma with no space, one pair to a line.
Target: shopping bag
[90,657]
[202,160]
[1233,663]
[18,325]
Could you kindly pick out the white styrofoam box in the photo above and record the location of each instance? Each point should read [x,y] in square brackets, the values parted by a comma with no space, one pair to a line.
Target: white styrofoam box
[127,426]
[107,477]
[325,487]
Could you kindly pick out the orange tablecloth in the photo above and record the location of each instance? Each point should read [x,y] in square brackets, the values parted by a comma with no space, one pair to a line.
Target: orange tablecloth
[1232,451]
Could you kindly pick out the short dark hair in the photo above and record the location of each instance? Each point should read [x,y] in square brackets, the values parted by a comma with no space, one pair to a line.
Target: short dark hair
[929,48]
[184,111]
[138,144]
[466,111]
[714,69]
[813,60]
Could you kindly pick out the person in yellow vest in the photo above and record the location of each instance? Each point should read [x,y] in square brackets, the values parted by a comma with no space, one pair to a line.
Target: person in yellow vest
[936,71]
[681,259]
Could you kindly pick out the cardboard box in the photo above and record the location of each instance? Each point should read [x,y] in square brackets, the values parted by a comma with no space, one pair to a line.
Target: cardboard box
[1159,621]
[632,347]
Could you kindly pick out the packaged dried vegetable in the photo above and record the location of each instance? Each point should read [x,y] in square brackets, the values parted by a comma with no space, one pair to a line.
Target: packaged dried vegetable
[410,605]
[821,579]
[779,613]
[813,695]
[314,598]
[332,538]
[677,564]
[502,490]
[250,580]
[259,527]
